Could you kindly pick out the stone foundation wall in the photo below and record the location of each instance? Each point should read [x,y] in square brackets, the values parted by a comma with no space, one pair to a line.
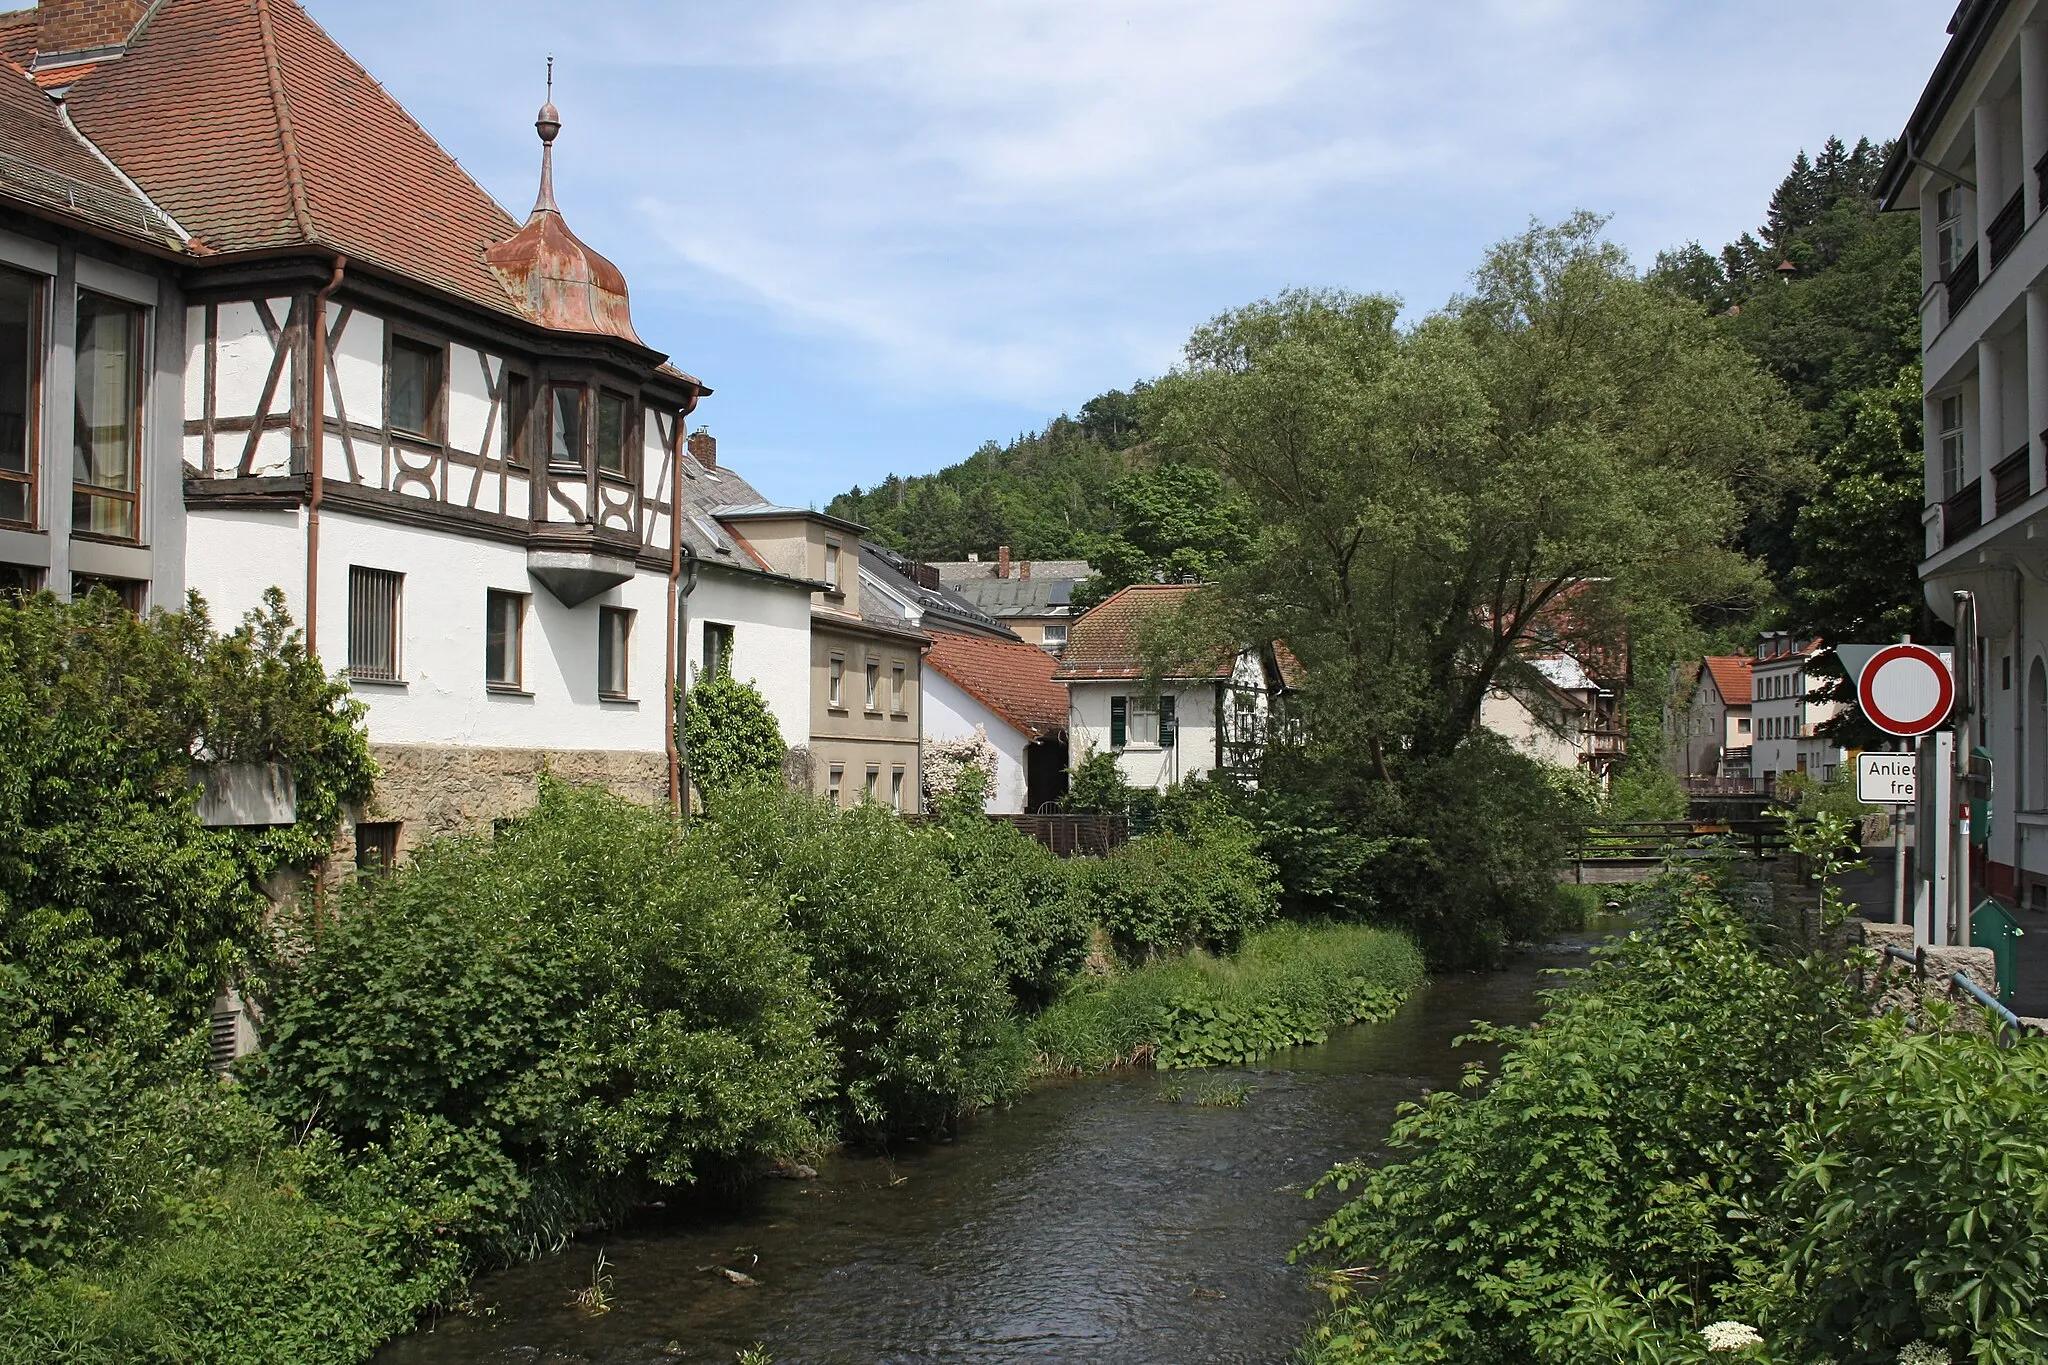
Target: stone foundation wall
[436,789]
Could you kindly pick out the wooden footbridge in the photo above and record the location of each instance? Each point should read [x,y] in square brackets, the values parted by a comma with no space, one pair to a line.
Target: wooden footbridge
[1634,850]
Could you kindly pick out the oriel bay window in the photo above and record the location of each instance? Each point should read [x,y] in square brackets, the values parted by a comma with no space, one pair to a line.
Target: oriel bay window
[416,387]
[565,425]
[612,431]
[614,638]
[21,349]
[106,430]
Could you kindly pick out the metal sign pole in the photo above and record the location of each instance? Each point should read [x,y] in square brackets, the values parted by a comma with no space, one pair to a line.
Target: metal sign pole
[1965,708]
[1899,861]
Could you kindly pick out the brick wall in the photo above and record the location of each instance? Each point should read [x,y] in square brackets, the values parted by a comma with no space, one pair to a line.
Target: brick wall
[74,25]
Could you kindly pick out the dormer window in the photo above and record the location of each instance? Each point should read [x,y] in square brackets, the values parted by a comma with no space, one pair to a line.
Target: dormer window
[611,433]
[565,424]
[831,566]
[415,387]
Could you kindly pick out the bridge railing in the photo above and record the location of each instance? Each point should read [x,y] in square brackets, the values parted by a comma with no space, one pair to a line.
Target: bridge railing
[1654,840]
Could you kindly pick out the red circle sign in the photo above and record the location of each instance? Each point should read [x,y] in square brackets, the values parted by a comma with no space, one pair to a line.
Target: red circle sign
[1906,690]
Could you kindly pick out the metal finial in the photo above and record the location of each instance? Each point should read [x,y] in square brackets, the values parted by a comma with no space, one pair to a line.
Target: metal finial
[551,78]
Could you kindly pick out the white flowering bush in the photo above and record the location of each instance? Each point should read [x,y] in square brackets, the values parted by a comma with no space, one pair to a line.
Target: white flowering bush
[1731,1336]
[948,761]
[1924,1353]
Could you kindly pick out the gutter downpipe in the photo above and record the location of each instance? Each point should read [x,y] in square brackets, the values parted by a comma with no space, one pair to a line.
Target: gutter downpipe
[316,456]
[678,621]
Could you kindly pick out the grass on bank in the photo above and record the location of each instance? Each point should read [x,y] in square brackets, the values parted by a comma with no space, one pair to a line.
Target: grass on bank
[1287,985]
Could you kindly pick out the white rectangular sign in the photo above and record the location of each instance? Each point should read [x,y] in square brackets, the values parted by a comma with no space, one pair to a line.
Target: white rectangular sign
[1885,779]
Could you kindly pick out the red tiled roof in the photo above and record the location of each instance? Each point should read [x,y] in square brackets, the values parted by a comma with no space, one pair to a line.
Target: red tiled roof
[1731,675]
[1104,642]
[1012,679]
[253,128]
[18,37]
[43,163]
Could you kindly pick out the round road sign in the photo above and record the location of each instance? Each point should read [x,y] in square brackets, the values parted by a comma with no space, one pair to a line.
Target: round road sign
[1906,690]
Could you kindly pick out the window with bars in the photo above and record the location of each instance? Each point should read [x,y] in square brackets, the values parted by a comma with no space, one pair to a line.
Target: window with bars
[375,607]
[106,431]
[614,641]
[21,362]
[504,639]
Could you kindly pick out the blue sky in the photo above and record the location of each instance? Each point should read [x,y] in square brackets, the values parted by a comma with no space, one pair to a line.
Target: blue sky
[887,230]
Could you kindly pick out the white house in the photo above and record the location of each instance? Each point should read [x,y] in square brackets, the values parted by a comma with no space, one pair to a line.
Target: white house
[1555,712]
[1784,719]
[1005,690]
[1203,717]
[1970,160]
[432,426]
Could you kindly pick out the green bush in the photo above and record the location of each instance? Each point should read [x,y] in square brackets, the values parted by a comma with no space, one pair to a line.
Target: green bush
[1287,985]
[1196,880]
[917,1014]
[1040,920]
[729,734]
[1622,1142]
[581,995]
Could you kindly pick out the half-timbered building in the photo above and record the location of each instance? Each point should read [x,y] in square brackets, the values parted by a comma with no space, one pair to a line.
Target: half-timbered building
[290,343]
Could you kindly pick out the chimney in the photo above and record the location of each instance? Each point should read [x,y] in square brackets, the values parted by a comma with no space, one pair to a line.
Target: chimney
[1024,571]
[70,26]
[1002,561]
[704,448]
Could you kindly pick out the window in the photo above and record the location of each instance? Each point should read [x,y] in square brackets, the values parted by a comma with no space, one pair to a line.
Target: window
[835,682]
[518,421]
[565,425]
[717,649]
[19,582]
[896,688]
[834,779]
[375,600]
[1055,636]
[614,635]
[1133,721]
[132,592]
[1950,237]
[896,790]
[415,387]
[1742,726]
[21,352]
[874,673]
[872,788]
[107,428]
[376,847]
[611,433]
[504,643]
[1952,452]
[831,566]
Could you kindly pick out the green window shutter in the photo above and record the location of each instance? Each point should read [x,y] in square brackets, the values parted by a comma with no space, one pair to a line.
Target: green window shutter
[1166,722]
[1116,721]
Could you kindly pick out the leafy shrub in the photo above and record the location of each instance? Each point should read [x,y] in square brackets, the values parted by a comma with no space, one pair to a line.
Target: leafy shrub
[1041,923]
[1098,787]
[1196,880]
[953,766]
[729,733]
[579,995]
[1620,1143]
[917,1014]
[1287,985]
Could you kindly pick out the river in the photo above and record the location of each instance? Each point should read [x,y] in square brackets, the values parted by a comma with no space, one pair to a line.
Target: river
[1089,1221]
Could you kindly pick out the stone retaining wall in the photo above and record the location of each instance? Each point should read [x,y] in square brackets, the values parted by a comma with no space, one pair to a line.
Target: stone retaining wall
[1904,991]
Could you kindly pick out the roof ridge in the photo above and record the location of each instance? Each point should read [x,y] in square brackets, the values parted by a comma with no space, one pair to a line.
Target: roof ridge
[294,177]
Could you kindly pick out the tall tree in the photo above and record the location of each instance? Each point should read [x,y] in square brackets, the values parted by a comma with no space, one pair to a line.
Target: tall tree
[1175,522]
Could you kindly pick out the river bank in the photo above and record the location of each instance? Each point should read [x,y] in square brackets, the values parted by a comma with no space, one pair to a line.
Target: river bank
[1089,1219]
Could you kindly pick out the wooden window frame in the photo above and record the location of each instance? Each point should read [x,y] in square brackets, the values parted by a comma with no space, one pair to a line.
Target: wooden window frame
[518,424]
[629,428]
[622,653]
[436,433]
[133,592]
[32,417]
[493,598]
[379,838]
[360,618]
[580,460]
[138,340]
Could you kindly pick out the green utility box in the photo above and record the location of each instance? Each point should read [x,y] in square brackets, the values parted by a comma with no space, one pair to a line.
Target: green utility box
[1992,926]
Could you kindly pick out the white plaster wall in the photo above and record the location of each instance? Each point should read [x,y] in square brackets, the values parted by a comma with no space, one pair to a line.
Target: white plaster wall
[195,365]
[952,712]
[358,356]
[469,397]
[1193,755]
[233,554]
[1510,717]
[246,353]
[771,642]
[444,700]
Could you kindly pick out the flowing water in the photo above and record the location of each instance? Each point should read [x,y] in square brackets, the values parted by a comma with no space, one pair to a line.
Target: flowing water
[1089,1221]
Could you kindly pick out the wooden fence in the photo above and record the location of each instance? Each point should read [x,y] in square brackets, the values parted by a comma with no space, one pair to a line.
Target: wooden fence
[1072,835]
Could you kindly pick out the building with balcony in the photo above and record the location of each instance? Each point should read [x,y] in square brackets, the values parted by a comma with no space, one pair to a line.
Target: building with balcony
[1973,161]
[1712,725]
[1785,717]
